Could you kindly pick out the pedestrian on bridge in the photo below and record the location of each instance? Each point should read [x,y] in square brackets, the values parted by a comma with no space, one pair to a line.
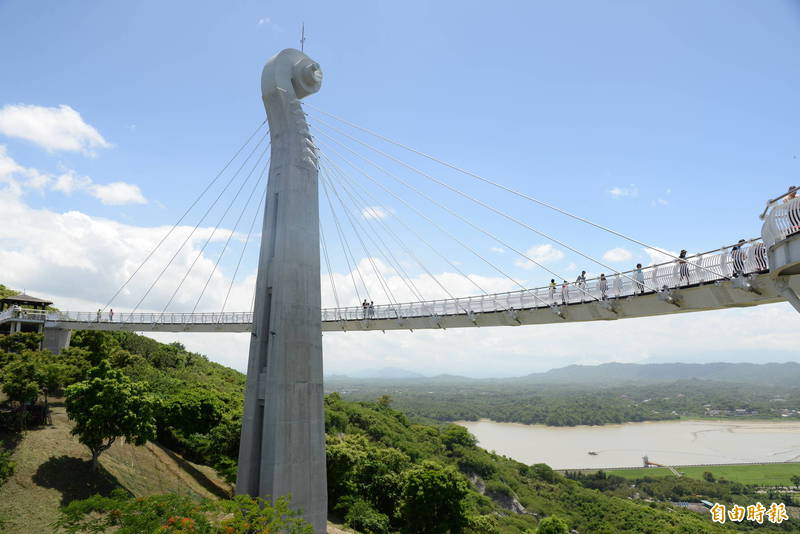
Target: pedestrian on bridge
[565,293]
[684,268]
[602,285]
[738,255]
[111,315]
[581,283]
[552,287]
[364,306]
[638,275]
[99,313]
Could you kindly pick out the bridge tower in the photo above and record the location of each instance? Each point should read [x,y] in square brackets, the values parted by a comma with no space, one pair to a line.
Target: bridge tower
[283,430]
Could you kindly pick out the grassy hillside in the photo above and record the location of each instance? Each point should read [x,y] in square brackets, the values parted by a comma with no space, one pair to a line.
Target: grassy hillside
[52,470]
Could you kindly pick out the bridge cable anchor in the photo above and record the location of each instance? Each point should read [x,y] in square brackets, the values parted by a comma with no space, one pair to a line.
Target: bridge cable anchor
[745,283]
[511,313]
[670,296]
[555,308]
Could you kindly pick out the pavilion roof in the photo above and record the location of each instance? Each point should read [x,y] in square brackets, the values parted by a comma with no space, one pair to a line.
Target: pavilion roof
[22,298]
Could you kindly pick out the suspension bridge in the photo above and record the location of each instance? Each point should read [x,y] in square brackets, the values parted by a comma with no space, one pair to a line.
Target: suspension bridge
[305,172]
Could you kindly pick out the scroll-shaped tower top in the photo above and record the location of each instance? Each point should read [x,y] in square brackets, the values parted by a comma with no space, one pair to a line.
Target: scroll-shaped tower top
[293,71]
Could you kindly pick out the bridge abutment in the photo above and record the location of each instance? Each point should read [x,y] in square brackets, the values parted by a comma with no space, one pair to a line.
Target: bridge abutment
[282,447]
[56,339]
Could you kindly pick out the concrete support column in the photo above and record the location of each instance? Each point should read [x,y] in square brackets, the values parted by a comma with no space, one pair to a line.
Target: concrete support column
[56,339]
[283,430]
[784,265]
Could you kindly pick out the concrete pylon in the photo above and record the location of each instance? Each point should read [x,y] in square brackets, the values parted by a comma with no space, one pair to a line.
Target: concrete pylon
[283,430]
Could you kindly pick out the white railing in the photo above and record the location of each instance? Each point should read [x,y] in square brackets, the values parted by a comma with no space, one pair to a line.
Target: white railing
[719,264]
[24,314]
[782,221]
[152,318]
[711,266]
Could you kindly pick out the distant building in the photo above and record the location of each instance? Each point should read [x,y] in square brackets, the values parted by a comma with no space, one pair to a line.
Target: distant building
[22,313]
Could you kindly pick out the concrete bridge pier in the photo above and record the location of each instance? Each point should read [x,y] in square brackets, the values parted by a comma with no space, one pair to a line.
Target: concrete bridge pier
[784,254]
[56,339]
[283,430]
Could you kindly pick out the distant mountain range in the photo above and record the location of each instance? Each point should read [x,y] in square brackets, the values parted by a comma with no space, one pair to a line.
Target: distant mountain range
[387,373]
[783,374]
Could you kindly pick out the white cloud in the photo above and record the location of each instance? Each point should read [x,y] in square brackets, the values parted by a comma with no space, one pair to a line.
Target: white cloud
[617,255]
[499,250]
[117,194]
[55,129]
[659,202]
[375,212]
[267,21]
[660,255]
[17,176]
[628,191]
[68,182]
[545,253]
[72,253]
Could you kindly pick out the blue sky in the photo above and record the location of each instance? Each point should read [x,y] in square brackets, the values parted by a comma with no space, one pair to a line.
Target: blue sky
[687,110]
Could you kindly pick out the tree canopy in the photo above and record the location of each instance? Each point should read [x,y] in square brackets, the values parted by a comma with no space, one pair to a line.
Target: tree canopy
[109,405]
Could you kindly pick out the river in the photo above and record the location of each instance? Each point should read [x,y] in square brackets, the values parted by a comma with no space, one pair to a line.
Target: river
[664,442]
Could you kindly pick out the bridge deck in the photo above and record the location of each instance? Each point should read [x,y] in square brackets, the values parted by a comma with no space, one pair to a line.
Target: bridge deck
[711,285]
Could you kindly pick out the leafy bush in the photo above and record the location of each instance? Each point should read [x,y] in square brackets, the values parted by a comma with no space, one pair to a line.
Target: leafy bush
[544,472]
[173,513]
[498,488]
[477,462]
[6,466]
[364,518]
[552,525]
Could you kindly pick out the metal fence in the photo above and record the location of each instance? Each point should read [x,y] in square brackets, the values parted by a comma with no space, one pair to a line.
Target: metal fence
[782,221]
[711,266]
[152,318]
[719,264]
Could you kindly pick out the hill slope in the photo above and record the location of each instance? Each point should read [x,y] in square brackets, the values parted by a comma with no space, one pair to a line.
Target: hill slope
[52,469]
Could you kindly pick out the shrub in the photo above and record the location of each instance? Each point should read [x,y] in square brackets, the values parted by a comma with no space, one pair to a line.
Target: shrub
[498,488]
[364,518]
[6,466]
[179,513]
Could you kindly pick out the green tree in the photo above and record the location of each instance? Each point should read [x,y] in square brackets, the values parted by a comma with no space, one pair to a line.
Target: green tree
[796,480]
[22,382]
[552,525]
[109,405]
[77,362]
[20,341]
[99,345]
[22,378]
[433,500]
